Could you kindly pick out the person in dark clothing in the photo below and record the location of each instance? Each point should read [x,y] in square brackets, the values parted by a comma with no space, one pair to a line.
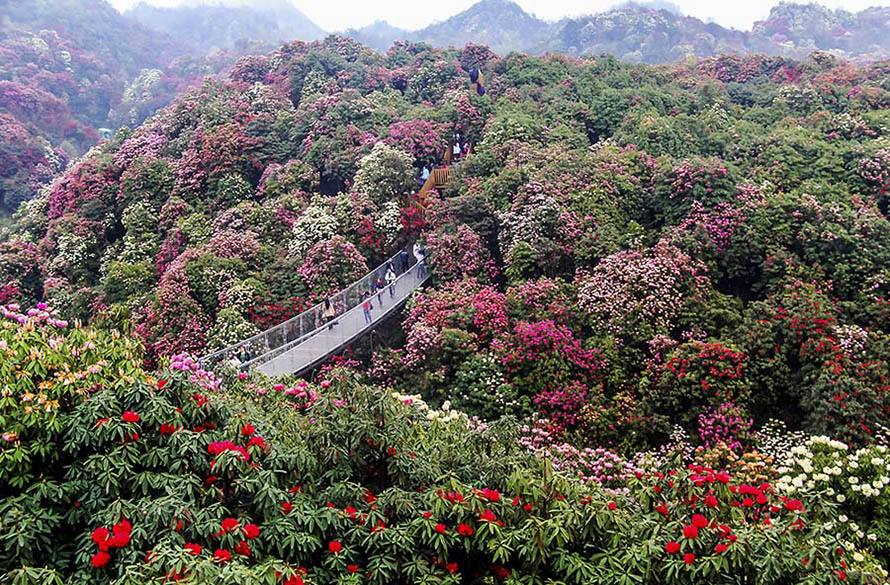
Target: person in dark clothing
[403,261]
[380,285]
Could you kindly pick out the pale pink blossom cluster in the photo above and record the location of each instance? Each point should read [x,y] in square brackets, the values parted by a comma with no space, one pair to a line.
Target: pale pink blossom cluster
[39,316]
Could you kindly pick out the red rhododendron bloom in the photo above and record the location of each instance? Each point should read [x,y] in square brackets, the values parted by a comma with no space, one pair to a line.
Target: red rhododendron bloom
[248,429]
[286,507]
[672,547]
[242,548]
[162,383]
[130,417]
[352,568]
[465,529]
[794,505]
[441,528]
[500,572]
[100,536]
[334,547]
[721,548]
[222,555]
[690,532]
[100,559]
[251,531]
[257,441]
[228,524]
[487,516]
[612,505]
[193,548]
[294,580]
[700,521]
[167,429]
[391,451]
[711,501]
[119,539]
[689,558]
[662,509]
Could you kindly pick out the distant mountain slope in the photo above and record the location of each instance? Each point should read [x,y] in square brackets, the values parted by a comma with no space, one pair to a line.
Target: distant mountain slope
[641,34]
[501,24]
[93,26]
[653,32]
[800,28]
[205,27]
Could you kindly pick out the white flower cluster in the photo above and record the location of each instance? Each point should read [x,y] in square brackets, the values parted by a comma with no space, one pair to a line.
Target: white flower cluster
[313,226]
[444,414]
[388,223]
[831,467]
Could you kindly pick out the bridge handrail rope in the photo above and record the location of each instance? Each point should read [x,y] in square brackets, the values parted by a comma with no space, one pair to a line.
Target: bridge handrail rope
[298,328]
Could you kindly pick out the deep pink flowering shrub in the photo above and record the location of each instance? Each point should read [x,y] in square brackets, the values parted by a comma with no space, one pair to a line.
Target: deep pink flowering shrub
[174,323]
[725,424]
[330,265]
[467,305]
[542,299]
[459,254]
[545,361]
[423,139]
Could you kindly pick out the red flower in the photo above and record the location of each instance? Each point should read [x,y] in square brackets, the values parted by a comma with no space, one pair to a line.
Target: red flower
[612,505]
[167,429]
[248,429]
[222,555]
[699,521]
[487,516]
[689,558]
[100,559]
[672,547]
[251,531]
[662,509]
[229,524]
[721,548]
[193,548]
[334,547]
[353,568]
[451,568]
[427,514]
[441,528]
[711,501]
[794,505]
[130,417]
[161,383]
[690,532]
[286,507]
[391,451]
[100,537]
[500,572]
[465,529]
[294,579]
[242,548]
[257,441]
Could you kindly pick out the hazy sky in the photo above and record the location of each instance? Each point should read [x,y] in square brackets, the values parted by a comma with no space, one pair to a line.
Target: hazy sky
[334,15]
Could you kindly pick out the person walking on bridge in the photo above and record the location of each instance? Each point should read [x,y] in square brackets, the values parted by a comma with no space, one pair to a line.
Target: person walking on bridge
[367,306]
[391,280]
[328,313]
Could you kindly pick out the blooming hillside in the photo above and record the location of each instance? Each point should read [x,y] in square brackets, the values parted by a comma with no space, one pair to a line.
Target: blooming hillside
[656,292]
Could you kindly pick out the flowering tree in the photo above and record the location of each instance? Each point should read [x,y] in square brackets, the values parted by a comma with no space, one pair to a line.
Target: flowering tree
[330,265]
[385,174]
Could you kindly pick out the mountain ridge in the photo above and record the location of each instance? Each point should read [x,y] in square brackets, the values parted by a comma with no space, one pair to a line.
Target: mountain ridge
[649,32]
